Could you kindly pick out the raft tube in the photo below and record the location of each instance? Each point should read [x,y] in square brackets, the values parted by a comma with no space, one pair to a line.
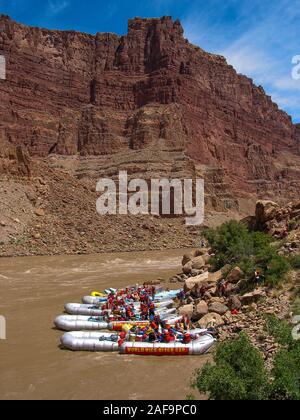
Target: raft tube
[94,300]
[80,309]
[96,341]
[78,323]
[162,303]
[197,347]
[90,310]
[90,341]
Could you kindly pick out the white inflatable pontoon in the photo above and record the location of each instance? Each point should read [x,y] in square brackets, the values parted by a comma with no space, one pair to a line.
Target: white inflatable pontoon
[164,296]
[108,342]
[91,310]
[197,347]
[86,323]
[90,341]
[79,322]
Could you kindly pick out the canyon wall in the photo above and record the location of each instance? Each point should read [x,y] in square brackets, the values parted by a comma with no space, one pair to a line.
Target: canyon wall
[148,102]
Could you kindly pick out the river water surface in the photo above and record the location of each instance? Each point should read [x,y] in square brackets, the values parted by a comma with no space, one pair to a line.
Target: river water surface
[32,366]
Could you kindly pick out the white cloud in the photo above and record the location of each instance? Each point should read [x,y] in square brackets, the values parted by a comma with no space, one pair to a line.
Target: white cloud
[287,83]
[247,59]
[57,6]
[258,38]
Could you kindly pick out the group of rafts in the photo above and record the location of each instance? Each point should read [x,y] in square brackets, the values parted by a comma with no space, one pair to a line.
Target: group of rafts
[137,320]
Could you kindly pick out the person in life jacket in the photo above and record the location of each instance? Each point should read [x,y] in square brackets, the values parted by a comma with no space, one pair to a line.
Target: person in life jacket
[154,326]
[122,338]
[144,312]
[171,335]
[187,338]
[257,277]
[129,313]
[187,323]
[166,336]
[152,310]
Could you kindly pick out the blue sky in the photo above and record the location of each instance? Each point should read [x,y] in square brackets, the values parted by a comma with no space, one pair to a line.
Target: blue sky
[258,37]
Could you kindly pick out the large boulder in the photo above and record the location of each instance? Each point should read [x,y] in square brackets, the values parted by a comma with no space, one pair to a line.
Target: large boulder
[188,267]
[252,297]
[211,320]
[217,299]
[266,211]
[40,212]
[219,275]
[186,259]
[199,252]
[234,303]
[234,289]
[235,275]
[218,308]
[198,263]
[186,310]
[193,281]
[201,309]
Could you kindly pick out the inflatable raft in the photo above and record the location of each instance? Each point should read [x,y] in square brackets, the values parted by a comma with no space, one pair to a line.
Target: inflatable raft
[158,299]
[93,310]
[90,300]
[197,347]
[90,341]
[108,342]
[80,322]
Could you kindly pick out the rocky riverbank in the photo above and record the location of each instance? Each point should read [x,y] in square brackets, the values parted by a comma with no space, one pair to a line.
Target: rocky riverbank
[233,311]
[231,302]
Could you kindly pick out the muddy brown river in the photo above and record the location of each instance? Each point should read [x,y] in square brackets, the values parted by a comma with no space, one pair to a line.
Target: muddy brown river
[32,366]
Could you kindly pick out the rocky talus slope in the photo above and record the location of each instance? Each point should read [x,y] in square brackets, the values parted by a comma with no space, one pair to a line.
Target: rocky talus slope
[76,107]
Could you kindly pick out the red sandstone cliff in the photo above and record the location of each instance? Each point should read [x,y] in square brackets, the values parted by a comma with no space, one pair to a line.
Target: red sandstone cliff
[149,102]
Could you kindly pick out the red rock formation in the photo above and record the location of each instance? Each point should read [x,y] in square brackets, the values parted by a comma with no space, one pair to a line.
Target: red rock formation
[70,93]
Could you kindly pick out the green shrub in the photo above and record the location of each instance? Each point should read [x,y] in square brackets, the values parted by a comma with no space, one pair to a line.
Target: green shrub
[276,269]
[295,262]
[232,243]
[238,373]
[296,306]
[286,373]
[280,330]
